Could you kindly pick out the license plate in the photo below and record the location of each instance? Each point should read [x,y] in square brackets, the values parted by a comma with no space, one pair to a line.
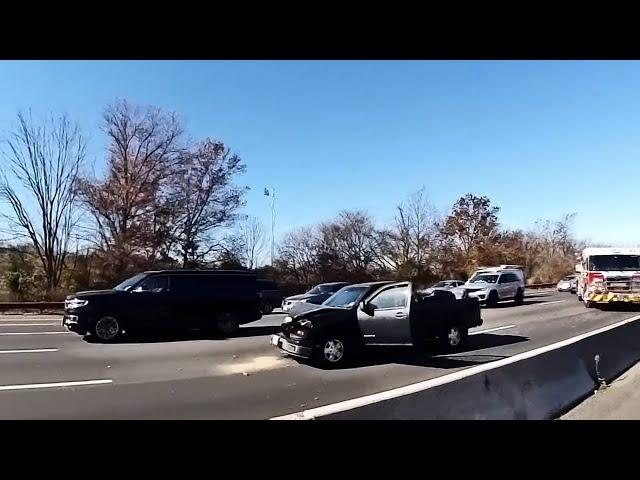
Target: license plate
[287,347]
[618,284]
[274,340]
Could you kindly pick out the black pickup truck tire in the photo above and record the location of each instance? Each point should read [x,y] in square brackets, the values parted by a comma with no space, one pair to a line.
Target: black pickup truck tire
[454,338]
[266,308]
[333,351]
[227,324]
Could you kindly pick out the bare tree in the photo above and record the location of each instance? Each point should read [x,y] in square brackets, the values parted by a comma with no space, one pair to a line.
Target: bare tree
[253,241]
[144,146]
[413,235]
[298,255]
[204,197]
[40,169]
[351,246]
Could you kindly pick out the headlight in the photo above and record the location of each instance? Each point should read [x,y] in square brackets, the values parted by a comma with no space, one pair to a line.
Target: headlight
[75,303]
[287,319]
[305,323]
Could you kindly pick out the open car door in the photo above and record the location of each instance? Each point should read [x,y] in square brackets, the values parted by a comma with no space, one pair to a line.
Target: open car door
[384,315]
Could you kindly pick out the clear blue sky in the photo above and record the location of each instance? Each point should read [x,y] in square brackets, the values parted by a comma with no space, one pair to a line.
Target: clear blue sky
[539,138]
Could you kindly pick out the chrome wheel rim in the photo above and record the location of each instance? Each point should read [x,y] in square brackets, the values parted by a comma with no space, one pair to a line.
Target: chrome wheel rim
[454,336]
[107,328]
[333,350]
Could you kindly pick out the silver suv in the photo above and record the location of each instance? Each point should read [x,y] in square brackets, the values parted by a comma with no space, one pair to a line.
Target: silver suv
[490,287]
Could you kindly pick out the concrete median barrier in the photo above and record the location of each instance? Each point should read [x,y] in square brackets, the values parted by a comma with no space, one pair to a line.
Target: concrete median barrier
[538,384]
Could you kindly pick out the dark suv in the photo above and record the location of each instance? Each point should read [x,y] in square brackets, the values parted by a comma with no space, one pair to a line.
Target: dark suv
[217,300]
[270,296]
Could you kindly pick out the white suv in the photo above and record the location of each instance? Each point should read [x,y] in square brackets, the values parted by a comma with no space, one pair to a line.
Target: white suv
[490,286]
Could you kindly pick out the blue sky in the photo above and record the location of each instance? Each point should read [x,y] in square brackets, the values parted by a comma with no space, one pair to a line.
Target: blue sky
[539,138]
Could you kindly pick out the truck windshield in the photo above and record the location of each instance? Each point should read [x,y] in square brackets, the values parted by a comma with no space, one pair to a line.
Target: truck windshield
[600,263]
[345,297]
[130,282]
[484,278]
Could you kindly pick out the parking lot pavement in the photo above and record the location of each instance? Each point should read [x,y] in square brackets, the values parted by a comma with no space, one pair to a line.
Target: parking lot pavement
[48,373]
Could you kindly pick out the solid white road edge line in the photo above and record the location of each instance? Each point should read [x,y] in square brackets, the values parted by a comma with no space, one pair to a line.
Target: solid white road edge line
[444,379]
[54,385]
[491,330]
[34,333]
[24,324]
[550,303]
[35,350]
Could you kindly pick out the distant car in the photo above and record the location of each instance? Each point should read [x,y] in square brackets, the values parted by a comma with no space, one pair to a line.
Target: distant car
[270,296]
[489,287]
[316,295]
[444,285]
[568,284]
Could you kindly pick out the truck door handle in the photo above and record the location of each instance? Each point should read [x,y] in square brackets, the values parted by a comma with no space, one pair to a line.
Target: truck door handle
[401,315]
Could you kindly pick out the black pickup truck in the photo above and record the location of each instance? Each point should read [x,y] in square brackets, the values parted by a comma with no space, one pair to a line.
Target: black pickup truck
[379,313]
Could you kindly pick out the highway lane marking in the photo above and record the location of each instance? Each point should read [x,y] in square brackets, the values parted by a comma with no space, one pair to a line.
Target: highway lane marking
[23,324]
[442,380]
[550,303]
[35,350]
[34,333]
[30,386]
[492,329]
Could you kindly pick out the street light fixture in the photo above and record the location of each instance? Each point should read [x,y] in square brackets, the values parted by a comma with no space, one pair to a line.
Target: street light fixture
[272,193]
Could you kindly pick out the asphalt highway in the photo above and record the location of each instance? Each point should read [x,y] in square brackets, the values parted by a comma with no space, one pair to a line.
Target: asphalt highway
[48,373]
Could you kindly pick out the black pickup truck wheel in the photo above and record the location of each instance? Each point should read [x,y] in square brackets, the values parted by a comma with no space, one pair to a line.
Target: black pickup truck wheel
[454,337]
[332,352]
[227,324]
[267,308]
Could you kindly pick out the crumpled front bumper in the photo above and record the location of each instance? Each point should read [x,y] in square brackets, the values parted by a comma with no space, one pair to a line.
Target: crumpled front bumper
[290,347]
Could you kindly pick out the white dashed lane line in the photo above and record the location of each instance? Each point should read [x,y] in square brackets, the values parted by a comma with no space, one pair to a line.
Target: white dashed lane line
[25,324]
[31,386]
[492,329]
[35,350]
[33,333]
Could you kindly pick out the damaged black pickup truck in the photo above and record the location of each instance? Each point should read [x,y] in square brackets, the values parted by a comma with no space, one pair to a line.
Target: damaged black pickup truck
[379,313]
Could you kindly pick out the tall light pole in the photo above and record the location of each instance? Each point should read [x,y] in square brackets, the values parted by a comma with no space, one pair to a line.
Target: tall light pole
[272,193]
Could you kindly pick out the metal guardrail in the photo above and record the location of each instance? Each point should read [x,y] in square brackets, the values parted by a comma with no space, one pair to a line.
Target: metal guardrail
[40,306]
[536,286]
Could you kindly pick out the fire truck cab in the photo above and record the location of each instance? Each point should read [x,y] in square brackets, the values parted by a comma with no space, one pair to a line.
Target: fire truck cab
[607,275]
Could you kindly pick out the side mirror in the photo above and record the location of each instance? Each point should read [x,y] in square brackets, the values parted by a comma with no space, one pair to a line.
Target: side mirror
[579,268]
[366,308]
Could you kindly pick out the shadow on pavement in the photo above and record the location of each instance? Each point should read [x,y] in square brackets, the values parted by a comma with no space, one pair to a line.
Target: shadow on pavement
[168,336]
[435,357]
[618,307]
